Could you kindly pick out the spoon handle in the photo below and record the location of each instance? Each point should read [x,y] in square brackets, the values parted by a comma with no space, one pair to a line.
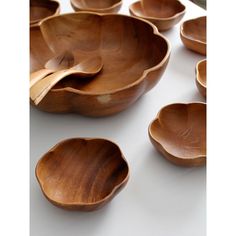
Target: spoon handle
[40,89]
[38,75]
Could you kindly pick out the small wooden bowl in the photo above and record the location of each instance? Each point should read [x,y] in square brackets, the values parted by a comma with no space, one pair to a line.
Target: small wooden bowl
[82,174]
[127,73]
[179,133]
[164,14]
[100,6]
[40,9]
[200,72]
[193,34]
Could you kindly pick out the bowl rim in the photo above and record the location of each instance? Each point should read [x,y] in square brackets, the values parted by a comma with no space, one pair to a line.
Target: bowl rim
[163,146]
[82,204]
[57,10]
[97,9]
[177,14]
[186,36]
[145,73]
[198,73]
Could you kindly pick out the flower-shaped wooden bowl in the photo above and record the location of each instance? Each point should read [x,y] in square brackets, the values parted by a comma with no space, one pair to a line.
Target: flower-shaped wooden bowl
[179,133]
[82,174]
[162,13]
[134,58]
[40,9]
[200,72]
[193,34]
[100,6]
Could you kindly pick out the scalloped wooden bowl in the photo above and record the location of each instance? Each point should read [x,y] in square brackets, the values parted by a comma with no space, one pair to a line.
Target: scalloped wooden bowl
[100,6]
[193,34]
[82,174]
[40,9]
[200,72]
[179,133]
[134,58]
[164,14]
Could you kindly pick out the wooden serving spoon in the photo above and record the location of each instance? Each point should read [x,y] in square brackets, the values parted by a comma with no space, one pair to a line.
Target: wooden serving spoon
[86,68]
[59,62]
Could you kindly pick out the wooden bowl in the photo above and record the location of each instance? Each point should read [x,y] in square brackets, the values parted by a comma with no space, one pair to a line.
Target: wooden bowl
[82,174]
[200,72]
[100,6]
[40,9]
[179,133]
[134,58]
[164,14]
[193,34]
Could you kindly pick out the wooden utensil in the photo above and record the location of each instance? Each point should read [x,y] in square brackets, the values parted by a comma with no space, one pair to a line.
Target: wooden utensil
[179,133]
[162,13]
[193,34]
[82,173]
[59,62]
[127,73]
[40,9]
[100,6]
[200,72]
[86,68]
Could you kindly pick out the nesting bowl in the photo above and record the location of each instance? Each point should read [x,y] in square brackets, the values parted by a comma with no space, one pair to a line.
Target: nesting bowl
[40,9]
[100,6]
[82,174]
[201,77]
[164,14]
[193,34]
[179,133]
[133,52]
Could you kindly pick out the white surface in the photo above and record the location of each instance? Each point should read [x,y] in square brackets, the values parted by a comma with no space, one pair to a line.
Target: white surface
[160,199]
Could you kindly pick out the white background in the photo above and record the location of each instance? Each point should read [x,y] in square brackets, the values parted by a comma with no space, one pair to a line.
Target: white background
[160,198]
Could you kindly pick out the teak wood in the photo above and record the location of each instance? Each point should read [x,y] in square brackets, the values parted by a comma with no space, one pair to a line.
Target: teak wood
[87,68]
[193,34]
[201,77]
[179,133]
[164,14]
[133,52]
[82,174]
[100,6]
[40,9]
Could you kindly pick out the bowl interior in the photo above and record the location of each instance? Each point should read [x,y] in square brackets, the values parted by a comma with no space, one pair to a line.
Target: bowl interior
[202,72]
[40,9]
[81,171]
[126,45]
[195,29]
[94,4]
[158,8]
[181,129]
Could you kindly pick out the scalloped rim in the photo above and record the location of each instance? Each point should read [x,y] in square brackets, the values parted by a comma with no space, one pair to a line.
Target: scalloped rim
[97,9]
[156,18]
[145,72]
[81,204]
[186,36]
[161,145]
[197,73]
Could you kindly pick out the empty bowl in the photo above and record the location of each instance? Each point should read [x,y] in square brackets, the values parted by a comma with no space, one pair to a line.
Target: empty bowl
[133,52]
[82,174]
[100,6]
[164,14]
[40,9]
[193,34]
[201,76]
[179,133]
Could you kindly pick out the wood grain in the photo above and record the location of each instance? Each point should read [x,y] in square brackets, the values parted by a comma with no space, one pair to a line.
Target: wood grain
[201,77]
[134,58]
[164,14]
[82,174]
[179,133]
